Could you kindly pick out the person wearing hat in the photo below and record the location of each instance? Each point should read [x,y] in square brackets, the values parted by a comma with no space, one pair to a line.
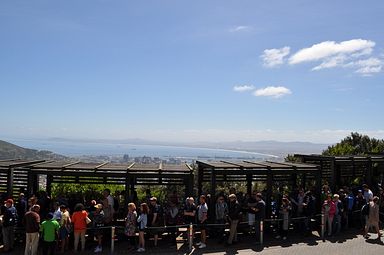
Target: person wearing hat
[49,230]
[234,214]
[9,222]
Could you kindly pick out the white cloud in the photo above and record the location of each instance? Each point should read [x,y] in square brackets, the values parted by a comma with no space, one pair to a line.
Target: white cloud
[355,54]
[275,57]
[326,51]
[243,88]
[368,66]
[240,29]
[275,92]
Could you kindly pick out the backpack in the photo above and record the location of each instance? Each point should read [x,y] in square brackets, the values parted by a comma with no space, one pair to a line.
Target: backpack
[365,210]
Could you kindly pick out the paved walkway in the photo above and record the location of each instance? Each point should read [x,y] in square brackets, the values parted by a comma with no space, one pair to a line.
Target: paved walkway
[345,244]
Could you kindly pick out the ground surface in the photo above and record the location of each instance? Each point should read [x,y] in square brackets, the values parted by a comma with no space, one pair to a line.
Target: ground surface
[347,243]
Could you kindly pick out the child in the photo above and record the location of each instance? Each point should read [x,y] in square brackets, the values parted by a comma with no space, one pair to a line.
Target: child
[142,221]
[49,229]
[130,225]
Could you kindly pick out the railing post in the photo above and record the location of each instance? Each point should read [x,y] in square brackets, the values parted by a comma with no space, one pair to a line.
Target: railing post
[190,236]
[323,227]
[113,239]
[261,232]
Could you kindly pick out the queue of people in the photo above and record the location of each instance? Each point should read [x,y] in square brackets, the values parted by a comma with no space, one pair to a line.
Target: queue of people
[51,227]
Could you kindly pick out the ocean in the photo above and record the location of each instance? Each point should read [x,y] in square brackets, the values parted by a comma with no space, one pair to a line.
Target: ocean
[74,148]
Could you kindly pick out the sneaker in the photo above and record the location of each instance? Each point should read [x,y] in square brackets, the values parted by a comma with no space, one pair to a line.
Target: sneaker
[278,237]
[202,245]
[140,250]
[284,238]
[198,243]
[98,249]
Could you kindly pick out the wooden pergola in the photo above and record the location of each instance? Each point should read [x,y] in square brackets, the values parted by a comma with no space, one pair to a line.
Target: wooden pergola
[248,171]
[339,171]
[129,175]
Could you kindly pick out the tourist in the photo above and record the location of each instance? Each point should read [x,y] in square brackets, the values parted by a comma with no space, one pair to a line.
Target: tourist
[309,205]
[49,229]
[259,213]
[368,194]
[329,210]
[251,209]
[234,214]
[56,211]
[130,225]
[190,215]
[108,205]
[65,227]
[285,210]
[171,214]
[98,224]
[142,223]
[338,213]
[154,219]
[9,223]
[358,206]
[31,221]
[79,220]
[202,216]
[21,208]
[221,212]
[373,217]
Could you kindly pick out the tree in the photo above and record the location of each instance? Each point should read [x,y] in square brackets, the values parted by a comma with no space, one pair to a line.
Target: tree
[355,144]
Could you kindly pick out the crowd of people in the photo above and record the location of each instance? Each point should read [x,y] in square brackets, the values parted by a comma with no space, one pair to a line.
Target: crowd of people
[59,224]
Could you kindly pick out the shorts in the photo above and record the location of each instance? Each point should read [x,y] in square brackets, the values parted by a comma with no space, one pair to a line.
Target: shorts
[251,219]
[202,226]
[63,233]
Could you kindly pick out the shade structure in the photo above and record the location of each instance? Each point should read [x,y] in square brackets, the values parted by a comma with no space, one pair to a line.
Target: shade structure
[23,175]
[267,172]
[340,171]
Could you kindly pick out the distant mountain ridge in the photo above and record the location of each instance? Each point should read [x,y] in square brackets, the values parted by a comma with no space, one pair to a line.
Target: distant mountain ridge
[12,151]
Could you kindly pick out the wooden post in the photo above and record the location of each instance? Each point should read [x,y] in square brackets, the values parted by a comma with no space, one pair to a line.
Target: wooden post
[269,191]
[49,184]
[249,183]
[200,173]
[10,182]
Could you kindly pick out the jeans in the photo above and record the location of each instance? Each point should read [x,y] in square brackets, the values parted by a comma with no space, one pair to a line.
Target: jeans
[31,243]
[77,235]
[337,223]
[329,221]
[8,237]
[233,231]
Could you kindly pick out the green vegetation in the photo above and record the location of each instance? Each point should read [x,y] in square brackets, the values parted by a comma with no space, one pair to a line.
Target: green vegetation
[355,144]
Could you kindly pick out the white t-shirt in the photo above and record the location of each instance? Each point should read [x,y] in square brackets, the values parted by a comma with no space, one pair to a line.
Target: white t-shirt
[368,195]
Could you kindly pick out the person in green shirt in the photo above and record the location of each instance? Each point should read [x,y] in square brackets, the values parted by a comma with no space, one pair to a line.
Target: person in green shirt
[49,229]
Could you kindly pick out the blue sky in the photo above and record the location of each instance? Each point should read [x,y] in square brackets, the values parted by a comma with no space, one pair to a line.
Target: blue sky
[192,71]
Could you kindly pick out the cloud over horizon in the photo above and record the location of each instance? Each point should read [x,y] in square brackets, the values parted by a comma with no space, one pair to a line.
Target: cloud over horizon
[355,54]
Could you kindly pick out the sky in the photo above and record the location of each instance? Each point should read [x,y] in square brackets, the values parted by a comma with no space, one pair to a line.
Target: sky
[188,71]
